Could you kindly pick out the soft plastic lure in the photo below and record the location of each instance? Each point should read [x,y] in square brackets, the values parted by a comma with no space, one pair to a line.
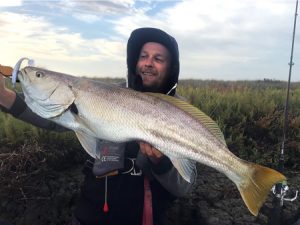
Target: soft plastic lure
[17,69]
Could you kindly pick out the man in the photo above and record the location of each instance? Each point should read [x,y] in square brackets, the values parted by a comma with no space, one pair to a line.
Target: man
[131,183]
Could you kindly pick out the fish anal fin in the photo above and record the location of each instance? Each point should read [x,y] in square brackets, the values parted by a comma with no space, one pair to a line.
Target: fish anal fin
[255,191]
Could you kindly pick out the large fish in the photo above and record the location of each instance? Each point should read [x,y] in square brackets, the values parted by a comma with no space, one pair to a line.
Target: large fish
[96,110]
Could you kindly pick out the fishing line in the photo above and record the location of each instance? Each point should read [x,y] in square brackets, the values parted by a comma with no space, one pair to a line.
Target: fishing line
[280,189]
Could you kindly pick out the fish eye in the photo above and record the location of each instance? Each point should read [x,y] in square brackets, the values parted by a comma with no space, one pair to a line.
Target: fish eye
[39,74]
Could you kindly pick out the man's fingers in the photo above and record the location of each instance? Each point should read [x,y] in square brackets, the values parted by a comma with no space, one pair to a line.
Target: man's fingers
[150,150]
[6,70]
[157,153]
[146,148]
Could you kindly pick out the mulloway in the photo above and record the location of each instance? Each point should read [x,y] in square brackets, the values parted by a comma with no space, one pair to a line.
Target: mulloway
[96,110]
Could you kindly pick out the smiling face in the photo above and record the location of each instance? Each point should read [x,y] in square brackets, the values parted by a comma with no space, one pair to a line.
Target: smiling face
[153,66]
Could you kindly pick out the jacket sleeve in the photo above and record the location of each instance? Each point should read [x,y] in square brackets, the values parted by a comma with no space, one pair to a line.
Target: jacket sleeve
[21,111]
[170,179]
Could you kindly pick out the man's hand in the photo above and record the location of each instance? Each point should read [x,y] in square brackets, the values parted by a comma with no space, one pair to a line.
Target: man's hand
[6,70]
[154,155]
[2,84]
[7,97]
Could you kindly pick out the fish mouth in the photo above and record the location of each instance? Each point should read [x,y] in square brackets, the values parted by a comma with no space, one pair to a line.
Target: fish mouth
[22,76]
[16,69]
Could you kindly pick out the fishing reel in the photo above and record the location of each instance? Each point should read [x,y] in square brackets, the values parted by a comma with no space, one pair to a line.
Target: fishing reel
[280,191]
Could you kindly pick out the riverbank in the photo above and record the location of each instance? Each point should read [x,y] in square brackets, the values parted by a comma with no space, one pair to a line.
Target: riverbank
[48,194]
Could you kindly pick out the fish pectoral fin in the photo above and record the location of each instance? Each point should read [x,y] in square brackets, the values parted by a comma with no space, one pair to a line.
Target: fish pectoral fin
[89,143]
[184,167]
[256,188]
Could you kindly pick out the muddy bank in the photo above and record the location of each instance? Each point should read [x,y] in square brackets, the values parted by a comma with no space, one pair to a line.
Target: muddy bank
[48,196]
[216,200]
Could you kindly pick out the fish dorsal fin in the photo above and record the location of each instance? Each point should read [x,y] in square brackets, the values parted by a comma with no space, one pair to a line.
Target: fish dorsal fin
[194,112]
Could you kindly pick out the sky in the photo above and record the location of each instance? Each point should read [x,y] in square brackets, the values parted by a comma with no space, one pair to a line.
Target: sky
[218,39]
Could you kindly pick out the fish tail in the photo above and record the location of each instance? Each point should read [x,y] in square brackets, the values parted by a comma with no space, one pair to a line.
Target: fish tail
[256,188]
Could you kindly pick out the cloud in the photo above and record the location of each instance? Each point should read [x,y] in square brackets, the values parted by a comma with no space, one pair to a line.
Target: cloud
[34,37]
[88,11]
[224,37]
[87,17]
[93,11]
[229,39]
[109,7]
[10,3]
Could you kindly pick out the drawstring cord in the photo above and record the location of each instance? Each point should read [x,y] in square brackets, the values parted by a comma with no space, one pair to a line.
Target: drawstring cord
[174,87]
[148,211]
[105,207]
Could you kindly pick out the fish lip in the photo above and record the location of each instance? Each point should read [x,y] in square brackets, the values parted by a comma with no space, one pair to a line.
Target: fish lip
[21,75]
[16,69]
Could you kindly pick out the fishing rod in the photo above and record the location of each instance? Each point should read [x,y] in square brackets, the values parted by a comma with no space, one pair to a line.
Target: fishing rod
[280,189]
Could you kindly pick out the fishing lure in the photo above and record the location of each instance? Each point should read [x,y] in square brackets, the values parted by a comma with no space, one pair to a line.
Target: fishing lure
[17,68]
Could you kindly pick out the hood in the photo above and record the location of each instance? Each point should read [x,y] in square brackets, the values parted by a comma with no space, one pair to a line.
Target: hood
[136,41]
